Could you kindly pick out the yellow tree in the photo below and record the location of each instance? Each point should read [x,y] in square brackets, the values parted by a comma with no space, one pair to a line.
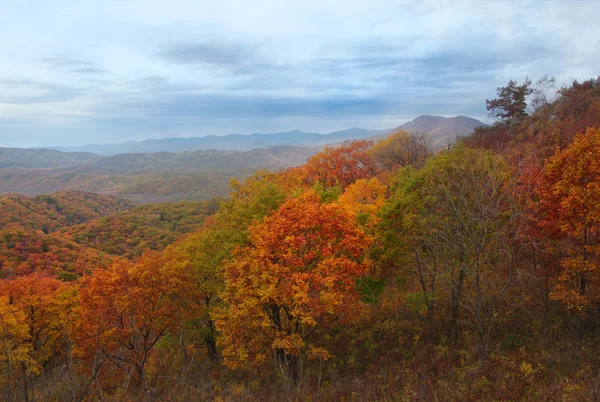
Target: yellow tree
[298,275]
[401,149]
[15,349]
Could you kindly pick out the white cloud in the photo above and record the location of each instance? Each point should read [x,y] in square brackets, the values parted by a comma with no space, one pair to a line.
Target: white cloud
[106,71]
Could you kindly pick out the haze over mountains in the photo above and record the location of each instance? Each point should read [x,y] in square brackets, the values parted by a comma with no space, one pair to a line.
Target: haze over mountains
[440,129]
[176,169]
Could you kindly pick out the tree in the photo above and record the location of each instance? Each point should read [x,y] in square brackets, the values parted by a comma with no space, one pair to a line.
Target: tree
[363,199]
[125,311]
[15,348]
[199,261]
[38,297]
[454,216]
[570,205]
[297,276]
[511,105]
[540,92]
[401,149]
[339,166]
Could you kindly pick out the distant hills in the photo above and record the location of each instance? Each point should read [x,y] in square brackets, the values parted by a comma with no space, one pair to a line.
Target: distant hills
[173,169]
[137,163]
[236,142]
[43,158]
[440,129]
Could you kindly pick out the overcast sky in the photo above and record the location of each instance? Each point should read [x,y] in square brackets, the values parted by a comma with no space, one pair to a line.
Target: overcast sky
[80,72]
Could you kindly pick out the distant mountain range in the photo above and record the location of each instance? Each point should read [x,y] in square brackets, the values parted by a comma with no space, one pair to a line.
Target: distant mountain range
[440,129]
[173,169]
[43,158]
[235,142]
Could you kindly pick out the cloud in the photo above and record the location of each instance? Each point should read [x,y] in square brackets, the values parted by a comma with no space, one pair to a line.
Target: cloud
[64,61]
[217,54]
[25,91]
[128,72]
[88,70]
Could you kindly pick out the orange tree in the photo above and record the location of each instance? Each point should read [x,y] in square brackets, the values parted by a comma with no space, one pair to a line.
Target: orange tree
[125,311]
[339,166]
[570,205]
[45,303]
[298,275]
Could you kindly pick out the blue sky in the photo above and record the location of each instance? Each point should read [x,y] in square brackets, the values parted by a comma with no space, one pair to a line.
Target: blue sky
[80,72]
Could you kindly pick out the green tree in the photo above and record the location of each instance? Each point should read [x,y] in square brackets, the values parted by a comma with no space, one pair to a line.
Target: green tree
[511,104]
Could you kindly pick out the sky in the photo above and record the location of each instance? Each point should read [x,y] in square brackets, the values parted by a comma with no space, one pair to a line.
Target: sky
[83,72]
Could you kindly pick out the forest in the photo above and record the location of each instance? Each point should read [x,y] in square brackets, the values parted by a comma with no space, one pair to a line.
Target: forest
[375,271]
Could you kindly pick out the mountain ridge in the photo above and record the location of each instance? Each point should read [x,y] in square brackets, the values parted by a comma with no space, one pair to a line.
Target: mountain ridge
[437,126]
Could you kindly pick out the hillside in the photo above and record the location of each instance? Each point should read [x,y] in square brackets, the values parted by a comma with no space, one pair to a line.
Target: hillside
[239,142]
[69,233]
[139,188]
[42,158]
[200,161]
[154,177]
[25,250]
[146,227]
[439,130]
[51,212]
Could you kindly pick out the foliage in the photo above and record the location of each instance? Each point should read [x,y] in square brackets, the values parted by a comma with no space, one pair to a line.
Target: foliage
[339,166]
[297,275]
[569,202]
[370,273]
[145,227]
[401,149]
[511,105]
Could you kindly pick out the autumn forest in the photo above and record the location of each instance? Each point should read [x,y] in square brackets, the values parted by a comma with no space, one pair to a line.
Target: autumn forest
[378,270]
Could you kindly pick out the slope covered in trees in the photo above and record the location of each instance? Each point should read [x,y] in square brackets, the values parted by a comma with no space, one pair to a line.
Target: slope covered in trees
[51,212]
[372,272]
[145,227]
[56,234]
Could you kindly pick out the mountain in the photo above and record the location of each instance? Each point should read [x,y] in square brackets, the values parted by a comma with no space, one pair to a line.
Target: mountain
[42,158]
[200,160]
[237,142]
[440,130]
[153,177]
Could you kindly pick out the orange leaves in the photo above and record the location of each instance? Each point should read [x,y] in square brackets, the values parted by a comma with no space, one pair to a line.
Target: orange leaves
[570,205]
[339,166]
[35,322]
[299,273]
[126,309]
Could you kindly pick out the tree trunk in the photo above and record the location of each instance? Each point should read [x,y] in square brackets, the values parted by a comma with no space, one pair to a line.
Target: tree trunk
[456,295]
[289,363]
[144,383]
[25,387]
[211,346]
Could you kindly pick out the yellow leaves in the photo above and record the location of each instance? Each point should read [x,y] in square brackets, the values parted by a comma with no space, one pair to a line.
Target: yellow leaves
[526,368]
[15,347]
[299,272]
[364,198]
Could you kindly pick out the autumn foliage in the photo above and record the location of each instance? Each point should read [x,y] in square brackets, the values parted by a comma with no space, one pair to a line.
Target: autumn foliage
[297,275]
[378,271]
